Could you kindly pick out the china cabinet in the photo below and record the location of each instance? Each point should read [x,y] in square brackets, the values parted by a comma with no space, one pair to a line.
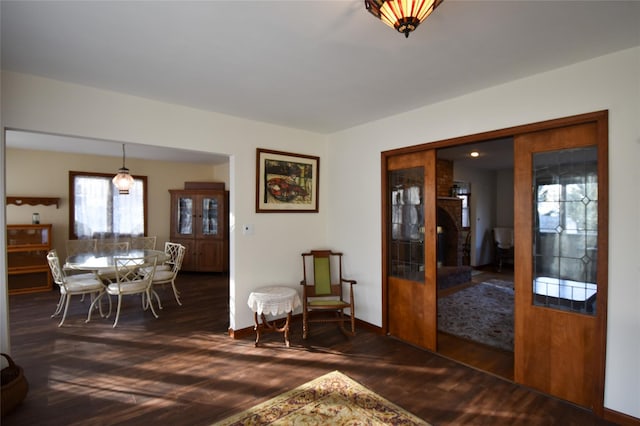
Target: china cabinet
[27,267]
[199,222]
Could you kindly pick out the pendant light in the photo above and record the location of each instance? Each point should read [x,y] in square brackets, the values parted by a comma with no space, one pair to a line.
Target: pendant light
[123,180]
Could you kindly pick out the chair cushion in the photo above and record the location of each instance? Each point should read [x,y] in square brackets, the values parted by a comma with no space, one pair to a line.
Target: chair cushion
[162,275]
[127,288]
[327,303]
[84,286]
[82,277]
[322,275]
[163,267]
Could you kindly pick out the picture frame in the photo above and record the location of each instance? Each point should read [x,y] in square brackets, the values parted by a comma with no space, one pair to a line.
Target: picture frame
[286,182]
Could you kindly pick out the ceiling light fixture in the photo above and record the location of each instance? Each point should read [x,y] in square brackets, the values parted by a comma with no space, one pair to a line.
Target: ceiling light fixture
[474,154]
[403,15]
[123,180]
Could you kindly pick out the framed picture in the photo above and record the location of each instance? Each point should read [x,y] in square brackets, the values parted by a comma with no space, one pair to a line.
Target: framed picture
[286,182]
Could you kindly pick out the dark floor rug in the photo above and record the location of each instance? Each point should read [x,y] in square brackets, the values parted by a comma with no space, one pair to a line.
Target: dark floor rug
[482,313]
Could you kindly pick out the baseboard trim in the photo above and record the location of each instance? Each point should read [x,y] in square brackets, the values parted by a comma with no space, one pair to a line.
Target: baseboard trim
[243,333]
[620,418]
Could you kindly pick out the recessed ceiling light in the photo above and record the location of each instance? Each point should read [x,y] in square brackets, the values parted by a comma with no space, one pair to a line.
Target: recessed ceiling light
[475,154]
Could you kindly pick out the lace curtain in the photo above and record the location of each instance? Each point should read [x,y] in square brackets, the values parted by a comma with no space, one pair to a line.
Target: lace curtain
[99,210]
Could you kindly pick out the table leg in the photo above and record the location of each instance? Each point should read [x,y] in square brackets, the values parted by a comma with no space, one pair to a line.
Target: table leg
[286,329]
[256,327]
[271,326]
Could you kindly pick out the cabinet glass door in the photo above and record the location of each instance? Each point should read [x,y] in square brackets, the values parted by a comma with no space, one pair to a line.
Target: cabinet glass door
[210,206]
[184,224]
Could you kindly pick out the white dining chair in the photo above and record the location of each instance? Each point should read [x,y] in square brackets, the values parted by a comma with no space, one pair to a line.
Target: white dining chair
[168,276]
[74,247]
[115,247]
[82,284]
[133,276]
[111,248]
[148,243]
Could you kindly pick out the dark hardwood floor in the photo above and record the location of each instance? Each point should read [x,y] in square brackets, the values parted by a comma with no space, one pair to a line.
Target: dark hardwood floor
[183,369]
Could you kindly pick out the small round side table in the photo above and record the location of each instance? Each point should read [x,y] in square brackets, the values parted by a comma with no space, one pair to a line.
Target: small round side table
[273,300]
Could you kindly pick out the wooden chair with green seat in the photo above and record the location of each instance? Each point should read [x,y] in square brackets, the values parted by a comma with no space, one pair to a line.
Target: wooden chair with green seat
[323,298]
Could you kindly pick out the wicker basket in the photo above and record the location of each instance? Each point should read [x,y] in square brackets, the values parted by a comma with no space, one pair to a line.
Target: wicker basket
[14,386]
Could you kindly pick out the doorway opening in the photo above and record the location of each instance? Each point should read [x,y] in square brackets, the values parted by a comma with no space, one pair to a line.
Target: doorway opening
[475,288]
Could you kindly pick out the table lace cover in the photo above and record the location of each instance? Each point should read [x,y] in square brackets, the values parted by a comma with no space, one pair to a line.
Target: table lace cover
[274,300]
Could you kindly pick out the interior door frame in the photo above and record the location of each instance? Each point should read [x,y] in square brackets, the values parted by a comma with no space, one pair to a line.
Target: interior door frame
[601,119]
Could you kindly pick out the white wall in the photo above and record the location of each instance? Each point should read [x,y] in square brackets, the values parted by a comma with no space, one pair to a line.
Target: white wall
[349,217]
[269,256]
[504,205]
[483,206]
[611,82]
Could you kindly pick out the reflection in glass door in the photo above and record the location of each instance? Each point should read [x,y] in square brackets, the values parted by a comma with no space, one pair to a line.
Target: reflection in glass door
[565,229]
[406,254]
[185,214]
[209,216]
[409,265]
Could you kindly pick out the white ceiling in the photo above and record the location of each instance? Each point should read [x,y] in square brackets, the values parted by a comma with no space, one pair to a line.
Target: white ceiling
[322,65]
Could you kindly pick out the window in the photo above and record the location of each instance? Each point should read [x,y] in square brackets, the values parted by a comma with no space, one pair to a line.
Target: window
[463,191]
[97,210]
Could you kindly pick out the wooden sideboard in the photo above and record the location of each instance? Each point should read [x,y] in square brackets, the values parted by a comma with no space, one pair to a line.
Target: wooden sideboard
[27,267]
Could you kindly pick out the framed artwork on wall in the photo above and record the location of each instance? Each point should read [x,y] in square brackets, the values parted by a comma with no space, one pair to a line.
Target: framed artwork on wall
[286,182]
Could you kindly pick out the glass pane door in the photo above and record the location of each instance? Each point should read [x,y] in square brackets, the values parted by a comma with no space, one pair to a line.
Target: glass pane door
[406,256]
[185,215]
[565,229]
[210,216]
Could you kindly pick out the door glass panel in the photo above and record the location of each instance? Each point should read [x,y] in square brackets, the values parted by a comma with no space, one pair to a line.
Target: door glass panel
[209,216]
[185,213]
[406,255]
[565,229]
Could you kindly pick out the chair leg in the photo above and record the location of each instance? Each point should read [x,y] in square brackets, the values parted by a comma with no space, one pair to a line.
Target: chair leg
[153,311]
[118,311]
[66,308]
[60,305]
[175,292]
[305,324]
[353,320]
[155,294]
[95,300]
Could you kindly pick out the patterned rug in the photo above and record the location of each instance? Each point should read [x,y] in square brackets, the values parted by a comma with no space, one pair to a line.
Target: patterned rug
[482,313]
[330,399]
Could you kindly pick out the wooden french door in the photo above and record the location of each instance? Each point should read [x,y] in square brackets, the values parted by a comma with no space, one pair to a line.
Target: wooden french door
[560,268]
[409,247]
[561,251]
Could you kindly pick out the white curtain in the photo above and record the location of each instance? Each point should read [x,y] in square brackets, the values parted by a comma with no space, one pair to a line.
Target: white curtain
[101,210]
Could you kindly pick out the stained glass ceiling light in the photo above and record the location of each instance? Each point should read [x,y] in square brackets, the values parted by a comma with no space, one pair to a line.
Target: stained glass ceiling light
[403,15]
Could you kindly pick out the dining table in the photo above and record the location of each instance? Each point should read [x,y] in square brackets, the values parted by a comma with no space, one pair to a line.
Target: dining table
[101,261]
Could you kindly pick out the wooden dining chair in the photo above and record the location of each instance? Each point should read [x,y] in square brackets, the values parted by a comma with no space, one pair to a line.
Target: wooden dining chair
[323,297]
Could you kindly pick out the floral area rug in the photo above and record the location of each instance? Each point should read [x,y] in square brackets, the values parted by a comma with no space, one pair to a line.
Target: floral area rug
[332,399]
[482,313]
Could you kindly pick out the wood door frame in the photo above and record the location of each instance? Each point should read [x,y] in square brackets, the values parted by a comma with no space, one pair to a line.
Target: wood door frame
[601,120]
